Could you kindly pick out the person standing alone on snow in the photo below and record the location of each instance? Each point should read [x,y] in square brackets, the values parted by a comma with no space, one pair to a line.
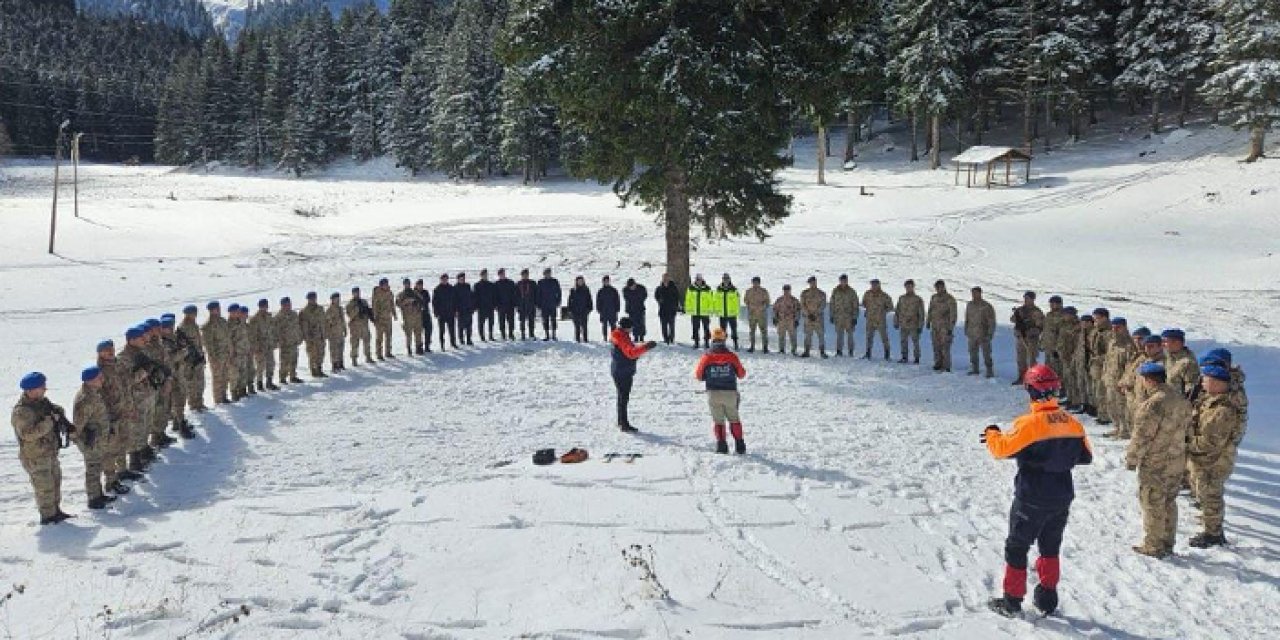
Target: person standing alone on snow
[1047,443]
[623,368]
[720,369]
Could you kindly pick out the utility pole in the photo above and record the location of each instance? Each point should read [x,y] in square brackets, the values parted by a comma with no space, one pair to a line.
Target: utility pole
[75,162]
[57,158]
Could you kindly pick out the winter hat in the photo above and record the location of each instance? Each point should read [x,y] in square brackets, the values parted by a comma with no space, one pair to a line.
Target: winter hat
[355,289]
[812,280]
[263,303]
[631,282]
[1152,340]
[909,283]
[213,305]
[1219,354]
[625,323]
[382,282]
[133,333]
[1174,334]
[90,373]
[190,310]
[406,282]
[875,281]
[717,335]
[285,300]
[311,295]
[1151,369]
[1029,294]
[32,381]
[104,345]
[755,279]
[335,295]
[1216,372]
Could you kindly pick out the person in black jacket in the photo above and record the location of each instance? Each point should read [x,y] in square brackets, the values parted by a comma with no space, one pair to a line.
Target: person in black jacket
[446,311]
[464,303]
[580,308]
[549,297]
[505,292]
[608,304]
[622,368]
[634,294]
[526,304]
[668,296]
[421,290]
[486,298]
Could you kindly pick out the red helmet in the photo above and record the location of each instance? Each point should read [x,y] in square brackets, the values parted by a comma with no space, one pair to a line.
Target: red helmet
[1041,378]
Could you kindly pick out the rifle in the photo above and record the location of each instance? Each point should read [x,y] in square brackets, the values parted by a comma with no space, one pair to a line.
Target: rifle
[193,357]
[62,427]
[1019,322]
[157,374]
[366,311]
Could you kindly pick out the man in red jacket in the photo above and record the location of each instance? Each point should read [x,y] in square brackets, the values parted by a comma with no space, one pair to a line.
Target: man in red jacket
[720,369]
[623,368]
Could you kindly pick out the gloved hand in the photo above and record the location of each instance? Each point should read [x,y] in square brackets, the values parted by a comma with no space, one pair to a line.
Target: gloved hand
[650,344]
[987,431]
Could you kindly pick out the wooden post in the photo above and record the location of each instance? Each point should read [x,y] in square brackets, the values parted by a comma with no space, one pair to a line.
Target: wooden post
[1008,171]
[75,172]
[57,158]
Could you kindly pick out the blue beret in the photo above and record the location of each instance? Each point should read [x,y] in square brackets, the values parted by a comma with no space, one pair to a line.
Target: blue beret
[89,374]
[1151,369]
[106,344]
[167,323]
[1141,332]
[1151,340]
[1102,311]
[1216,372]
[1055,299]
[335,295]
[408,281]
[357,289]
[285,300]
[190,310]
[152,323]
[263,302]
[242,308]
[382,281]
[1119,322]
[167,316]
[1029,294]
[1070,310]
[213,305]
[311,295]
[233,307]
[133,333]
[33,380]
[1219,354]
[1176,334]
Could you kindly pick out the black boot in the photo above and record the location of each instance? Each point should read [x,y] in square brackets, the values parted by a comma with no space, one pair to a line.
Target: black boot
[867,355]
[626,428]
[1006,606]
[1045,599]
[295,380]
[100,502]
[1206,540]
[185,431]
[260,386]
[722,446]
[739,446]
[823,354]
[805,354]
[272,387]
[117,488]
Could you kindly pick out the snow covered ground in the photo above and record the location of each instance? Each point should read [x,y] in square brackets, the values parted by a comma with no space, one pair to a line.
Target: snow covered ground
[380,504]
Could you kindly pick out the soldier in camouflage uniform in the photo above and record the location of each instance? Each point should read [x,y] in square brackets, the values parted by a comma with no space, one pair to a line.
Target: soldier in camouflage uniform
[1068,339]
[311,321]
[93,432]
[263,341]
[134,359]
[1028,324]
[156,436]
[241,353]
[193,375]
[1217,426]
[979,330]
[359,315]
[122,413]
[1099,340]
[1151,350]
[813,301]
[786,315]
[1120,350]
[289,335]
[1180,362]
[1049,340]
[908,319]
[217,350]
[757,301]
[1158,452]
[876,305]
[411,305]
[844,314]
[941,322]
[180,358]
[335,329]
[384,313]
[1078,365]
[1223,358]
[33,421]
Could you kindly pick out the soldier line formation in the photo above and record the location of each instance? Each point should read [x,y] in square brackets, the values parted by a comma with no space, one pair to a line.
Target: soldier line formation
[1184,418]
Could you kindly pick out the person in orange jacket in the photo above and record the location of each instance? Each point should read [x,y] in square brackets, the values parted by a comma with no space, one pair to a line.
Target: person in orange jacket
[1047,443]
[720,369]
[623,368]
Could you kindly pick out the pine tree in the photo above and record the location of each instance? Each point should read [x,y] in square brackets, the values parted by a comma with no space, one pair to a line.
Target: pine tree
[278,94]
[311,134]
[1191,65]
[1246,65]
[1150,49]
[925,67]
[220,101]
[464,118]
[251,146]
[6,143]
[1062,56]
[530,138]
[411,135]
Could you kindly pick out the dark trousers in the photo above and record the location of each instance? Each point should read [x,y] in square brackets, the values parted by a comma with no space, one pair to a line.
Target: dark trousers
[549,322]
[1029,524]
[703,322]
[668,322]
[464,327]
[731,325]
[447,325]
[528,321]
[624,396]
[580,327]
[486,321]
[507,323]
[427,324]
[637,327]
[607,325]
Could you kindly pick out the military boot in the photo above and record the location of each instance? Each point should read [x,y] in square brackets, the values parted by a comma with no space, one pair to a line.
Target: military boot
[295,380]
[765,350]
[1206,540]
[62,515]
[185,431]
[271,387]
[1045,599]
[903,360]
[739,446]
[117,488]
[250,390]
[823,353]
[261,387]
[839,353]
[101,502]
[805,354]
[867,355]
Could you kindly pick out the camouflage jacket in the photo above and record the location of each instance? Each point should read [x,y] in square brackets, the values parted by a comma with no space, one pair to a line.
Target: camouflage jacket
[288,328]
[943,312]
[217,341]
[311,322]
[756,299]
[909,312]
[262,331]
[979,320]
[844,304]
[1217,427]
[335,323]
[876,306]
[1160,426]
[34,428]
[384,306]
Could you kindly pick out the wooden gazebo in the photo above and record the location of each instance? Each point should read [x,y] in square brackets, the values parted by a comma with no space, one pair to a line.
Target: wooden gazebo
[977,159]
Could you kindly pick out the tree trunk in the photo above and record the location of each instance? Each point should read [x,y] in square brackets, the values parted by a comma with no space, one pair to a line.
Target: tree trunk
[1155,112]
[822,153]
[675,209]
[1028,115]
[850,136]
[1186,104]
[915,151]
[1048,122]
[935,141]
[1257,138]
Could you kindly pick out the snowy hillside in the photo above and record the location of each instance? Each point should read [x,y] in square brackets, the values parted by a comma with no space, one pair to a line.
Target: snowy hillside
[230,15]
[398,500]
